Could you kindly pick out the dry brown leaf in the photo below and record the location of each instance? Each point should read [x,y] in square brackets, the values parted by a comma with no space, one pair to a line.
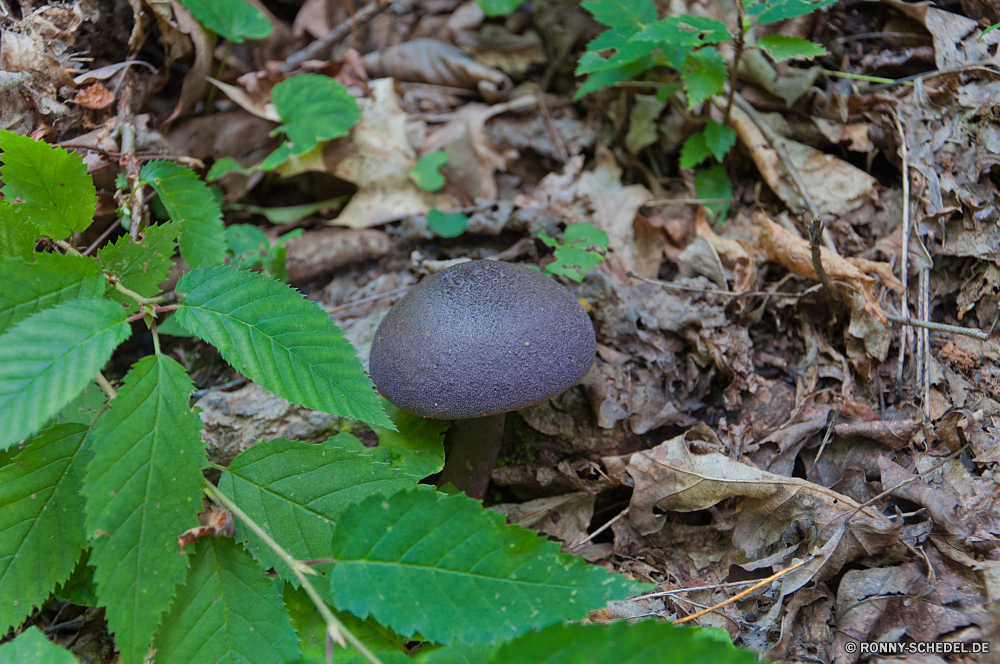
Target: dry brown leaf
[94,96]
[432,61]
[215,522]
[377,156]
[195,81]
[313,19]
[257,105]
[673,477]
[473,159]
[565,517]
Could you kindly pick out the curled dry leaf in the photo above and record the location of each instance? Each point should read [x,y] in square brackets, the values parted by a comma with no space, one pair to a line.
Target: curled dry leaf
[473,159]
[565,517]
[94,96]
[675,477]
[431,61]
[214,522]
[195,81]
[377,157]
[834,185]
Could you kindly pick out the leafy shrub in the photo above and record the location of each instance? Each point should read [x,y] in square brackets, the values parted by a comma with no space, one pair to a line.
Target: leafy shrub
[95,489]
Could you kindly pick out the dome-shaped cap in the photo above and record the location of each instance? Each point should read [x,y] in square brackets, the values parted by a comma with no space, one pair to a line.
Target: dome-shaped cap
[480,338]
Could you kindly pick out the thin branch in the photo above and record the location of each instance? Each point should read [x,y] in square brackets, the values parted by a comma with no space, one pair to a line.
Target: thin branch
[740,45]
[826,439]
[157,310]
[600,530]
[940,327]
[904,256]
[685,201]
[113,280]
[729,294]
[741,595]
[314,49]
[334,628]
[67,247]
[105,386]
[104,236]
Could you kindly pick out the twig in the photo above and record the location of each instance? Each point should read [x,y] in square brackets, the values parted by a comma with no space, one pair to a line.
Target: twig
[376,296]
[67,247]
[710,291]
[551,128]
[329,39]
[826,439]
[741,595]
[334,628]
[685,201]
[940,327]
[104,236]
[740,44]
[718,586]
[600,530]
[105,386]
[904,256]
[159,310]
[113,280]
[924,339]
[127,160]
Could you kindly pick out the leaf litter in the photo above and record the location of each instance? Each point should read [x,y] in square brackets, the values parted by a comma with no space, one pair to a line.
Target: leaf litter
[745,413]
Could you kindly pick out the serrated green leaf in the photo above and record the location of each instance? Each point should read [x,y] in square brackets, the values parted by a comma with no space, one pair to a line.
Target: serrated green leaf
[426,173]
[684,30]
[631,51]
[79,588]
[246,245]
[457,653]
[447,568]
[315,108]
[32,647]
[772,11]
[704,75]
[607,79]
[291,213]
[190,203]
[622,13]
[30,287]
[586,235]
[143,488]
[41,519]
[234,20]
[83,409]
[47,185]
[499,7]
[417,445]
[782,47]
[227,610]
[694,151]
[294,490]
[573,262]
[719,139]
[446,225]
[272,335]
[714,182]
[46,361]
[18,235]
[141,266]
[311,630]
[621,643]
[172,327]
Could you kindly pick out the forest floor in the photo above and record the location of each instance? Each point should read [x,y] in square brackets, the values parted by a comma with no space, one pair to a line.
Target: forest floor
[744,413]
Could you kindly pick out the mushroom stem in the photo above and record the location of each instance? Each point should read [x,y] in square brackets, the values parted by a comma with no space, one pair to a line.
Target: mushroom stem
[472,446]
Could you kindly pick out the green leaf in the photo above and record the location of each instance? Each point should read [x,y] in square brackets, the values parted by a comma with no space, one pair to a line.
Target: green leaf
[585,234]
[47,359]
[622,13]
[292,213]
[224,166]
[294,490]
[629,52]
[272,335]
[79,588]
[695,150]
[573,262]
[704,75]
[234,20]
[457,653]
[141,266]
[685,30]
[622,643]
[311,630]
[417,445]
[47,185]
[781,48]
[719,138]
[18,235]
[499,7]
[315,108]
[714,182]
[772,11]
[189,202]
[143,489]
[987,31]
[30,287]
[446,225]
[426,173]
[667,91]
[171,327]
[451,570]
[83,409]
[246,245]
[41,521]
[32,647]
[226,611]
[607,79]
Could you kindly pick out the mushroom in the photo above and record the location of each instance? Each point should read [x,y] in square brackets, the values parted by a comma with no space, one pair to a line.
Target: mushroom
[473,342]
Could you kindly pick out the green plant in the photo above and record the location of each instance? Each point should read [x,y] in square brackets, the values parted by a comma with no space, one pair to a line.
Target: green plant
[247,247]
[96,485]
[234,20]
[446,225]
[573,259]
[426,173]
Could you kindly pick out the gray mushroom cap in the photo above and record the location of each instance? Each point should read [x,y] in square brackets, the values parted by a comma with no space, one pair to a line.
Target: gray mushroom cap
[480,338]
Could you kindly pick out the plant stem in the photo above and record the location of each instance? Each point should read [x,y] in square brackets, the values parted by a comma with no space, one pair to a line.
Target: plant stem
[334,628]
[132,294]
[218,76]
[861,77]
[67,247]
[105,386]
[740,44]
